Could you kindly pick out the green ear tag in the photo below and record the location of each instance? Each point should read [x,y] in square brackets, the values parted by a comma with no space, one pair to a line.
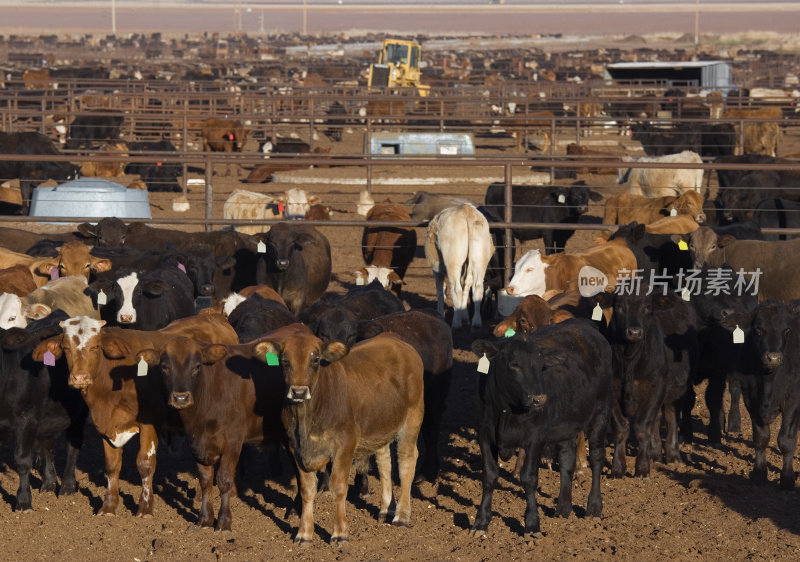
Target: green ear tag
[510,332]
[272,359]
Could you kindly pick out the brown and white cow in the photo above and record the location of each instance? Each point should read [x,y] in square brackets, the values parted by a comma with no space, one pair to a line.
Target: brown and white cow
[103,365]
[388,249]
[346,404]
[223,135]
[65,293]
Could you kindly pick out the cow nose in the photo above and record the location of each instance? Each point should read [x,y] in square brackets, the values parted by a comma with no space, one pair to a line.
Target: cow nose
[282,264]
[772,359]
[537,401]
[727,215]
[583,208]
[206,289]
[511,290]
[80,380]
[633,334]
[181,399]
[125,318]
[299,393]
[725,312]
[700,218]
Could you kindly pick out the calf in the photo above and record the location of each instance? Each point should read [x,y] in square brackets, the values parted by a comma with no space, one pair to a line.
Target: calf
[769,384]
[661,182]
[561,204]
[327,397]
[297,264]
[625,208]
[256,315]
[103,366]
[157,176]
[458,246]
[223,135]
[541,389]
[389,248]
[428,205]
[153,299]
[65,293]
[87,129]
[35,405]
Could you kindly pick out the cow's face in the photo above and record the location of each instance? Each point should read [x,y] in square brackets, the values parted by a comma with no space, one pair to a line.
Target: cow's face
[515,373]
[336,324]
[297,204]
[11,315]
[127,288]
[631,316]
[300,356]
[703,243]
[528,276]
[282,241]
[110,232]
[83,347]
[689,203]
[75,259]
[181,361]
[771,330]
[388,279]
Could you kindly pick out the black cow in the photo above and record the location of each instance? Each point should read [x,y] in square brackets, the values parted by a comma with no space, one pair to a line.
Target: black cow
[640,377]
[336,317]
[719,355]
[86,130]
[770,384]
[535,203]
[778,213]
[255,316]
[540,389]
[335,121]
[159,176]
[709,140]
[284,146]
[31,173]
[35,405]
[432,338]
[654,252]
[297,264]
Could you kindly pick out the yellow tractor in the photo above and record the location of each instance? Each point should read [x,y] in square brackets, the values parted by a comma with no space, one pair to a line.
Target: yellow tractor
[398,66]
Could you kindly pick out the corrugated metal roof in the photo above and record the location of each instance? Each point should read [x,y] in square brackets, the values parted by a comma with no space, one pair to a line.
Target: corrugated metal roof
[667,64]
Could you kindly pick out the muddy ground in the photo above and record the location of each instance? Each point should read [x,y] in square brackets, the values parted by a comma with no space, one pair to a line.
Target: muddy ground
[704,508]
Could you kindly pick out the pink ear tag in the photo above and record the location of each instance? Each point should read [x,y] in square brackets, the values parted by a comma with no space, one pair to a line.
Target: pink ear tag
[53,272]
[182,267]
[49,359]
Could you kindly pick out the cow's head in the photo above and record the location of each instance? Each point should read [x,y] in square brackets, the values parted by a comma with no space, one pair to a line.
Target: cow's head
[689,203]
[770,330]
[704,244]
[180,361]
[387,277]
[282,241]
[83,345]
[335,323]
[529,278]
[74,259]
[300,355]
[14,313]
[109,232]
[575,196]
[631,316]
[297,203]
[515,373]
[200,264]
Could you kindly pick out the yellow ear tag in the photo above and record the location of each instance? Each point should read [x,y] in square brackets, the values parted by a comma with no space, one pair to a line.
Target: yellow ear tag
[141,368]
[597,313]
[483,364]
[738,335]
[272,359]
[682,245]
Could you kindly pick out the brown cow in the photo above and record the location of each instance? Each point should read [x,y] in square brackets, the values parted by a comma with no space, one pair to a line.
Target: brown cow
[318,212]
[223,135]
[519,125]
[625,208]
[107,169]
[761,137]
[73,259]
[263,172]
[388,250]
[345,404]
[103,365]
[226,397]
[17,280]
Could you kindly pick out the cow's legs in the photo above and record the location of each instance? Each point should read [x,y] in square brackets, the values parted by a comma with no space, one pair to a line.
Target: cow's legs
[530,480]
[438,279]
[566,463]
[734,424]
[787,442]
[620,429]
[25,439]
[760,442]
[307,482]
[205,475]
[671,450]
[146,463]
[597,458]
[225,477]
[477,297]
[74,440]
[491,472]
[406,463]
[383,457]
[113,458]
[49,476]
[340,473]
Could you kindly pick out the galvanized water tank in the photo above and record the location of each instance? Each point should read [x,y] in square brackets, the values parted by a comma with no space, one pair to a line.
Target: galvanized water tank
[90,197]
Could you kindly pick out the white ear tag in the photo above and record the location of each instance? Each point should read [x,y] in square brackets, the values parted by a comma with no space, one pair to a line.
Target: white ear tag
[483,364]
[101,298]
[738,335]
[262,248]
[673,213]
[562,199]
[686,295]
[359,281]
[141,368]
[597,313]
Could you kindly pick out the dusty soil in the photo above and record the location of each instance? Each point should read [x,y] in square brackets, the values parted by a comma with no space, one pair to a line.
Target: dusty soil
[704,508]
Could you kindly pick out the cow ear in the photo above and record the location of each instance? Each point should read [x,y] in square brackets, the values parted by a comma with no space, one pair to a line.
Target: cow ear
[260,349]
[360,275]
[37,311]
[313,200]
[213,353]
[332,351]
[88,230]
[44,268]
[114,347]
[677,239]
[394,278]
[305,239]
[226,262]
[53,345]
[481,347]
[369,329]
[638,230]
[150,356]
[155,288]
[559,316]
[504,325]
[101,265]
[594,196]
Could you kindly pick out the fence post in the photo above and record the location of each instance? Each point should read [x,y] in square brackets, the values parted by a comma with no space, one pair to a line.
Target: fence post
[368,150]
[509,235]
[209,194]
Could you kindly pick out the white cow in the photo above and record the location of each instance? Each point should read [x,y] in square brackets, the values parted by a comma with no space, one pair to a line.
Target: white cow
[663,182]
[458,247]
[243,204]
[528,276]
[66,293]
[297,203]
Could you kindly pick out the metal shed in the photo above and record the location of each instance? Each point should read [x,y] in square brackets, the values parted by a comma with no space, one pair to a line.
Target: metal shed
[712,75]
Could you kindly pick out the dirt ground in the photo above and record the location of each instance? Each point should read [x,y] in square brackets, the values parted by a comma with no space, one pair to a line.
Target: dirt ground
[704,508]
